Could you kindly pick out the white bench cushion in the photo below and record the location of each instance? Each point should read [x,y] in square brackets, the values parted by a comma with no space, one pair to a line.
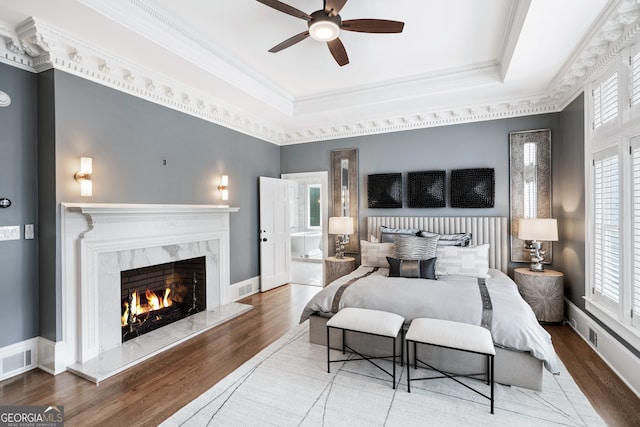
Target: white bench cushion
[451,334]
[368,321]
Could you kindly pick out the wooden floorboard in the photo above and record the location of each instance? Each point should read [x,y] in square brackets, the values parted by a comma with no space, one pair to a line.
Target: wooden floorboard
[150,392]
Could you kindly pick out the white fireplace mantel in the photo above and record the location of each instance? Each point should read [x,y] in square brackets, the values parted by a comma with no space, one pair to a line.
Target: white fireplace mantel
[99,240]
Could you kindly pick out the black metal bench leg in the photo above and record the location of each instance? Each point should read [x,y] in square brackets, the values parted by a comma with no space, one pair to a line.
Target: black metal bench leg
[408,370]
[328,353]
[492,382]
[395,351]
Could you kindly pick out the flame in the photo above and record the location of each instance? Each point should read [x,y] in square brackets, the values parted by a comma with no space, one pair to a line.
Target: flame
[154,302]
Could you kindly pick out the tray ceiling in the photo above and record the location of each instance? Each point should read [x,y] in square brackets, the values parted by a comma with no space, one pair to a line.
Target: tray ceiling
[455,61]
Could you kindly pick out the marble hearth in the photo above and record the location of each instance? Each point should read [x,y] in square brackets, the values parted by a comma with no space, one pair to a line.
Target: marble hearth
[100,241]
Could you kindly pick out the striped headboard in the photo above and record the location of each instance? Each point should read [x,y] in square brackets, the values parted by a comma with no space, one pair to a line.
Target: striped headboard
[484,229]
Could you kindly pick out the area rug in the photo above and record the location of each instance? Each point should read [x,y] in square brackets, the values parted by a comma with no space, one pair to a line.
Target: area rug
[287,384]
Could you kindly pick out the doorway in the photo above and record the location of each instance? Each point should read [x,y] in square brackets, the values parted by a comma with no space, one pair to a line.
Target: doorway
[309,216]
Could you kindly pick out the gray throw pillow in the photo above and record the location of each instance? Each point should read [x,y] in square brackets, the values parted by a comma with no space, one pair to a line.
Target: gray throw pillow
[388,235]
[413,247]
[458,239]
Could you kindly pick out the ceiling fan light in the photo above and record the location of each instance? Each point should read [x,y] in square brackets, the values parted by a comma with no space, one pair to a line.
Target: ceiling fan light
[324,30]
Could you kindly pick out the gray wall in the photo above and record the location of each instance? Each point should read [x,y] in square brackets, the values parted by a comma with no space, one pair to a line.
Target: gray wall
[569,201]
[18,174]
[471,145]
[127,138]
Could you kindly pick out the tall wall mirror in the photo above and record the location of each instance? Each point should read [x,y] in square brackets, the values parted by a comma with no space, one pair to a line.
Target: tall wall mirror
[530,184]
[344,173]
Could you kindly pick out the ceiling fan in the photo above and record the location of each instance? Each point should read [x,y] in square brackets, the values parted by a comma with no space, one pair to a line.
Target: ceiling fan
[324,25]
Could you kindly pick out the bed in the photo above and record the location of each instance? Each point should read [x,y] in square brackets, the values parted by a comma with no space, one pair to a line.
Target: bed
[523,347]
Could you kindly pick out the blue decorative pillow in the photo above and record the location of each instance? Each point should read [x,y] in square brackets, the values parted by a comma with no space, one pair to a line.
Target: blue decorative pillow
[412,268]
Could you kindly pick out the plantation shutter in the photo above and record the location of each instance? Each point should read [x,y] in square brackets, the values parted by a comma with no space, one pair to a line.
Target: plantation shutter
[635,171]
[634,64]
[605,100]
[606,284]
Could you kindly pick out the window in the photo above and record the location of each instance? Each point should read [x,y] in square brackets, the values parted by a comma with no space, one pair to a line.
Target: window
[634,83]
[635,179]
[606,214]
[612,291]
[605,100]
[314,213]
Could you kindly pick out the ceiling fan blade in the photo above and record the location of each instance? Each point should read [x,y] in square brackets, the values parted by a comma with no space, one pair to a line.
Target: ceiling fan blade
[338,51]
[289,42]
[372,26]
[289,10]
[333,7]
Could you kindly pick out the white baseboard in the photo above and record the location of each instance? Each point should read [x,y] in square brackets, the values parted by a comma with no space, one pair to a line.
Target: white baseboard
[18,358]
[52,356]
[622,361]
[245,288]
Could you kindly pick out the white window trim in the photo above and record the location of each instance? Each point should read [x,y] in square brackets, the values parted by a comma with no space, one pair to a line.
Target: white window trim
[634,111]
[617,133]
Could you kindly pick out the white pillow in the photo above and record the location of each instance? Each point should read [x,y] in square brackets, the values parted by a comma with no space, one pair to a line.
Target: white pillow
[375,254]
[463,261]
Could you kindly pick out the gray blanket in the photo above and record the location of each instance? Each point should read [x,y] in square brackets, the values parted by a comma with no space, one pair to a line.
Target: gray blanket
[514,325]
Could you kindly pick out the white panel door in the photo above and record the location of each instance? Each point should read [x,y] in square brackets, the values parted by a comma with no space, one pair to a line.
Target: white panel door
[275,239]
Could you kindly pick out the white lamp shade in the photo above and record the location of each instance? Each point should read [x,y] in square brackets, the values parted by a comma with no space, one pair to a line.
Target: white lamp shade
[545,229]
[340,225]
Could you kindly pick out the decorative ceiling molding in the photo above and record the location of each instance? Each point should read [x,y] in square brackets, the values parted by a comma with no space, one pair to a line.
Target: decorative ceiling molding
[617,28]
[36,46]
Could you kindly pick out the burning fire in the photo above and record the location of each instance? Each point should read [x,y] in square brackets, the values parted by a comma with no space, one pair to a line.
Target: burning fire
[154,302]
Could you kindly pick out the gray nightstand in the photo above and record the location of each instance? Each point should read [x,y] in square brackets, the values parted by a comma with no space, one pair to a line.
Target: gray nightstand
[335,268]
[544,291]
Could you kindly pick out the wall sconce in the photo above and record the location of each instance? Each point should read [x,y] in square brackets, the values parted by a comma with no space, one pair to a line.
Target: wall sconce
[224,187]
[83,176]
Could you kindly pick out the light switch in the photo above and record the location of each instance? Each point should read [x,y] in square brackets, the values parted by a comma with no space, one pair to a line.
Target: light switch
[28,231]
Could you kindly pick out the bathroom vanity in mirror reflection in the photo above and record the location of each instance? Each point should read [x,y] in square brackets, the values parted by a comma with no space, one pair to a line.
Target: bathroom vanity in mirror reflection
[530,184]
[344,174]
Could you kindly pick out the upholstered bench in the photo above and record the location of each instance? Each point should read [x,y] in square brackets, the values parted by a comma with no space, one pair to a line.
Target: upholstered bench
[455,336]
[372,322]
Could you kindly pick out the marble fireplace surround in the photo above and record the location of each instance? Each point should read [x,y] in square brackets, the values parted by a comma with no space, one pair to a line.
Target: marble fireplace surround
[101,240]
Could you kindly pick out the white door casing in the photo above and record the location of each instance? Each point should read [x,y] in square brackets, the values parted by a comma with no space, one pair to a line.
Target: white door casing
[275,239]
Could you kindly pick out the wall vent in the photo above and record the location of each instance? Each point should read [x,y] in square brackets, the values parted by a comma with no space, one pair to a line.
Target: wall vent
[593,337]
[17,358]
[243,290]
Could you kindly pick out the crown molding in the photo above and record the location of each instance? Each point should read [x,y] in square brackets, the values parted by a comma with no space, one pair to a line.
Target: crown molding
[36,46]
[617,28]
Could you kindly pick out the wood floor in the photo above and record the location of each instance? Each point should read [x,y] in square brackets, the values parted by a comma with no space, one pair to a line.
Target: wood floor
[150,392]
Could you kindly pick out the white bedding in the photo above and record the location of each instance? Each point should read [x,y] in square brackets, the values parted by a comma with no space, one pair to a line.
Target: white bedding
[513,326]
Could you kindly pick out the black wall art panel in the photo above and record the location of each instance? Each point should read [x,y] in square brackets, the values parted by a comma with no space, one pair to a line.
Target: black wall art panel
[427,189]
[384,190]
[472,188]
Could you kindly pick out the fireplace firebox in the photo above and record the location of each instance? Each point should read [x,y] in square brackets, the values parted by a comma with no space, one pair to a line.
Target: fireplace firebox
[161,294]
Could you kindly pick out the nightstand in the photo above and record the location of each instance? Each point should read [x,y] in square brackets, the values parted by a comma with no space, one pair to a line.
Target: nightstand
[544,291]
[335,268]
